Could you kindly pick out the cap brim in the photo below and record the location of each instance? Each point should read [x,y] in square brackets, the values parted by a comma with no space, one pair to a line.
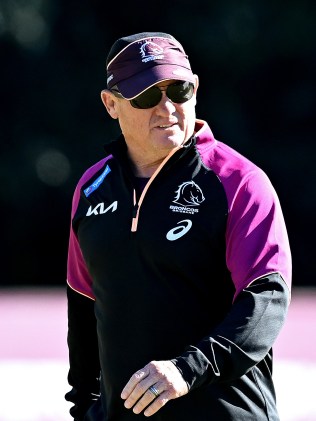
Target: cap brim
[135,85]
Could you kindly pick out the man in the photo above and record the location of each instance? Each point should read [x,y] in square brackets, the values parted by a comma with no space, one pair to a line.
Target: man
[179,265]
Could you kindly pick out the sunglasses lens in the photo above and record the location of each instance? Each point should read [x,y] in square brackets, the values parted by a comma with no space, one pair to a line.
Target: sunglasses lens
[148,99]
[180,92]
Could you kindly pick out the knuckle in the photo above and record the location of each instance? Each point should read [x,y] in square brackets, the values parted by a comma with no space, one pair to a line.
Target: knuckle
[164,401]
[169,395]
[153,366]
[139,375]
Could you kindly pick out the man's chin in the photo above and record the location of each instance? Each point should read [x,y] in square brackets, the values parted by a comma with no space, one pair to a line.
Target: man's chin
[170,141]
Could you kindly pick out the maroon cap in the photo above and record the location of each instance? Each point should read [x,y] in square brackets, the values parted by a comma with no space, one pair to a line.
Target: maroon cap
[144,60]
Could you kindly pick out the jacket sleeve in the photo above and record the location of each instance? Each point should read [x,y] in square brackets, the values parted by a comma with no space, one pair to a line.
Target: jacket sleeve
[258,258]
[84,365]
[244,337]
[84,371]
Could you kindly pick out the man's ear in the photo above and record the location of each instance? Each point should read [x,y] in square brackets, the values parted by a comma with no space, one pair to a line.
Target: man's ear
[196,85]
[110,103]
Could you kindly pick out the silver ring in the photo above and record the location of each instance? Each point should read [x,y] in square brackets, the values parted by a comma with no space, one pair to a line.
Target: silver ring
[154,391]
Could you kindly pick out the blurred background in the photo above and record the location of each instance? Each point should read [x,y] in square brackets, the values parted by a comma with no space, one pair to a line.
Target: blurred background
[256,62]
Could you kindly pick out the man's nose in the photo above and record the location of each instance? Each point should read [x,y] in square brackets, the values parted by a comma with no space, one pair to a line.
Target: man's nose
[165,103]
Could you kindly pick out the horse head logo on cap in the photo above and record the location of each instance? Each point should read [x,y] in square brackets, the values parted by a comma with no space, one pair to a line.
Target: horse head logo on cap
[150,49]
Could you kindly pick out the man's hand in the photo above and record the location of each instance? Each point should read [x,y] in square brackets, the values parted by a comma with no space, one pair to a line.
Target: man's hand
[166,382]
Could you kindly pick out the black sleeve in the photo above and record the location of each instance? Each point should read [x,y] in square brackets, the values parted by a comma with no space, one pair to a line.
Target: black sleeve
[244,337]
[84,372]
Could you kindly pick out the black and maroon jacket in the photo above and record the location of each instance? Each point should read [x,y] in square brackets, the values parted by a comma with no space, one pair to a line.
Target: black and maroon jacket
[196,269]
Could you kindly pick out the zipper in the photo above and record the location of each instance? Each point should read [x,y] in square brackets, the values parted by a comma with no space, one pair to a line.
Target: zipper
[137,206]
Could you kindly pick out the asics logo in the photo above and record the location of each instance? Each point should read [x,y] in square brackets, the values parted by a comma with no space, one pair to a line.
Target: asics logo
[180,231]
[99,209]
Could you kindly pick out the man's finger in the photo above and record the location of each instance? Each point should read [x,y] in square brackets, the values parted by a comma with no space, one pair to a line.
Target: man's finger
[147,398]
[157,404]
[143,393]
[133,381]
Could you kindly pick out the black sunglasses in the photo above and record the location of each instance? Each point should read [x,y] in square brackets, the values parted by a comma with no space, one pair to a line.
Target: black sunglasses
[178,93]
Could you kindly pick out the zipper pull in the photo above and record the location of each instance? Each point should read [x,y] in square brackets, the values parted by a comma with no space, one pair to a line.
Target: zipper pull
[135,218]
[134,213]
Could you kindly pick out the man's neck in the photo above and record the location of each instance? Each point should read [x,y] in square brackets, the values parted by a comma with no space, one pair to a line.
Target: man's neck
[141,168]
[145,164]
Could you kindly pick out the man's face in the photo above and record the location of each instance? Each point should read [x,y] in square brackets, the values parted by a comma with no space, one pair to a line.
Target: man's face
[158,129]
